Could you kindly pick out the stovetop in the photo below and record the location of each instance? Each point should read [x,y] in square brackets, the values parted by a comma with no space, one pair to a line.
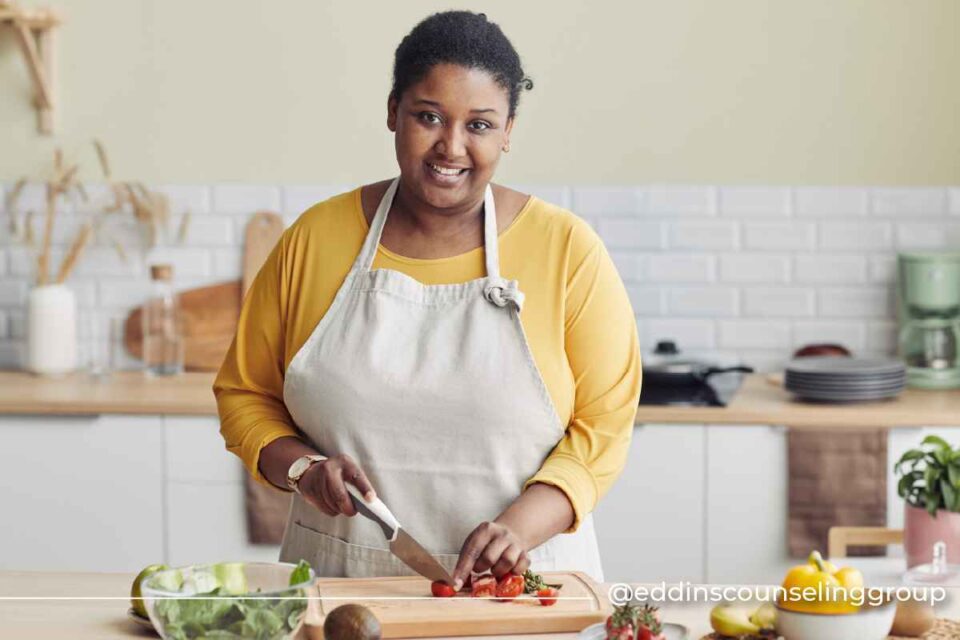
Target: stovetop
[717,391]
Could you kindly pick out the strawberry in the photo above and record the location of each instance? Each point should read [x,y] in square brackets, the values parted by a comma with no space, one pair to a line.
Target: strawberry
[622,624]
[649,626]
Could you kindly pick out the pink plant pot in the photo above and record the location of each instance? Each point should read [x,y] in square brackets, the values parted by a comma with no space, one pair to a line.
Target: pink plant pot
[921,531]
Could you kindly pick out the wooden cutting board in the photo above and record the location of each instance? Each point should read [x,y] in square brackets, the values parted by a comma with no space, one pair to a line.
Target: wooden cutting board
[418,615]
[210,313]
[209,316]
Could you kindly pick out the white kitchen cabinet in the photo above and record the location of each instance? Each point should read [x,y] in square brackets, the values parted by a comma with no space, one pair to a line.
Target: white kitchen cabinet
[81,493]
[746,522]
[650,525]
[206,521]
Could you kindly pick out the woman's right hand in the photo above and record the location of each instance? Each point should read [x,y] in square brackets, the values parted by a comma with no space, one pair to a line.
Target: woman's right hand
[323,485]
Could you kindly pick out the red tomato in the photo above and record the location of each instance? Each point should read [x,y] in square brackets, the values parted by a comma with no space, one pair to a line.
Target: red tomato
[509,587]
[548,596]
[441,589]
[484,587]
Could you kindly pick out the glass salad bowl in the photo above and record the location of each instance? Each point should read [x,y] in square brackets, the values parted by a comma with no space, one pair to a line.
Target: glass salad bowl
[258,600]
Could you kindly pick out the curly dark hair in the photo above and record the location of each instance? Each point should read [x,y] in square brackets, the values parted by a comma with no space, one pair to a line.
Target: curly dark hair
[463,38]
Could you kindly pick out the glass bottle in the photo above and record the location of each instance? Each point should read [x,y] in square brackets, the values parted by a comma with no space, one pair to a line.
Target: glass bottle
[162,330]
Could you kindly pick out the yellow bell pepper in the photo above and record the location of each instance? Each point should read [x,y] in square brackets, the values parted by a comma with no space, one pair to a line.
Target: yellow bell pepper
[820,587]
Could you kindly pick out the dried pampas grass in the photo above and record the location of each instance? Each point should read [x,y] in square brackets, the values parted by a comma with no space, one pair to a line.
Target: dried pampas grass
[150,211]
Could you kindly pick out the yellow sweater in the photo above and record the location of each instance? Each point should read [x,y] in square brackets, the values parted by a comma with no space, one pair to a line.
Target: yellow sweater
[576,316]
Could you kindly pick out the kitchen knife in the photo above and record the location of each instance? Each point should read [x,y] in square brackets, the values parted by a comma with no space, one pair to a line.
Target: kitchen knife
[402,544]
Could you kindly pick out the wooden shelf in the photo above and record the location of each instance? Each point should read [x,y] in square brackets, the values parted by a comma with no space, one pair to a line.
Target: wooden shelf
[36,30]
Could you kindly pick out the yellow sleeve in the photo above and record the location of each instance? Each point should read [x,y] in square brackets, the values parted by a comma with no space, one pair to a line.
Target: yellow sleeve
[249,386]
[600,340]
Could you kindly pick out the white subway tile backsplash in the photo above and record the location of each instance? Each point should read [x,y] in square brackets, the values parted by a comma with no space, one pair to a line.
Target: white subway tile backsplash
[123,293]
[298,198]
[908,202]
[754,334]
[849,334]
[688,333]
[560,196]
[228,263]
[646,301]
[187,262]
[882,336]
[11,354]
[669,201]
[819,268]
[855,236]
[705,235]
[106,261]
[927,235]
[750,202]
[749,271]
[883,268]
[742,268]
[779,302]
[859,302]
[608,200]
[779,236]
[830,201]
[245,198]
[211,231]
[628,233]
[192,199]
[703,301]
[679,268]
[12,293]
[630,266]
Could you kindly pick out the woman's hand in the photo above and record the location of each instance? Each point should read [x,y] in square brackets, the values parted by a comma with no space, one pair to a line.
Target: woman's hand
[491,546]
[324,485]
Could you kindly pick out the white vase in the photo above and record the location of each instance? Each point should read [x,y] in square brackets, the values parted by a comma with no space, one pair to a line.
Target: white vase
[51,330]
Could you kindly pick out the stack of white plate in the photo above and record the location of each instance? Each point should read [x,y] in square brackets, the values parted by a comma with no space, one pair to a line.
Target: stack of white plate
[838,379]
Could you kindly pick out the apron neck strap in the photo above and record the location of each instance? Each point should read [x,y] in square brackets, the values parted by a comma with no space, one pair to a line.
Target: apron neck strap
[490,249]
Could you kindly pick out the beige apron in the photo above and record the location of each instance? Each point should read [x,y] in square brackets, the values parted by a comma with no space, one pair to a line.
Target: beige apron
[433,390]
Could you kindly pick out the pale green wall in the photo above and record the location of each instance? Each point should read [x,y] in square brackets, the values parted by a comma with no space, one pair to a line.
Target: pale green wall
[717,91]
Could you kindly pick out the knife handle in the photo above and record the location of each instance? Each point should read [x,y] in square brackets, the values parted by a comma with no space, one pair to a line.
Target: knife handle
[376,511]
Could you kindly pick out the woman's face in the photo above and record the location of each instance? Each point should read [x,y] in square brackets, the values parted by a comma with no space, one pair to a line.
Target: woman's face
[450,130]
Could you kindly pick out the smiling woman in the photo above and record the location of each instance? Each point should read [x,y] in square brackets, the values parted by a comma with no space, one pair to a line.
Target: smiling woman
[461,350]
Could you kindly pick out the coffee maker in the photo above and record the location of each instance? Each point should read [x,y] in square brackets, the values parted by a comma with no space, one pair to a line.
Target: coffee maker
[929,313]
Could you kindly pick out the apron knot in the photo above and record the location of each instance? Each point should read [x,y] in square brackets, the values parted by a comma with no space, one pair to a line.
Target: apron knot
[504,293]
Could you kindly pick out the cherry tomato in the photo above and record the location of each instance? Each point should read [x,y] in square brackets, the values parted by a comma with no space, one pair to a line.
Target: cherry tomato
[509,587]
[548,596]
[484,587]
[441,589]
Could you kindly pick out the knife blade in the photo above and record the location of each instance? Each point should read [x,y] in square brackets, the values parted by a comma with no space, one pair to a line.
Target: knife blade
[402,544]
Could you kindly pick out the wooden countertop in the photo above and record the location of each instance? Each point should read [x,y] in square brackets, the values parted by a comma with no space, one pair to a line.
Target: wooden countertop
[757,402]
[760,401]
[38,605]
[129,392]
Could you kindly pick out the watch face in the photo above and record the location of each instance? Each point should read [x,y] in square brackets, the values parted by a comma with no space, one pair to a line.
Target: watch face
[298,468]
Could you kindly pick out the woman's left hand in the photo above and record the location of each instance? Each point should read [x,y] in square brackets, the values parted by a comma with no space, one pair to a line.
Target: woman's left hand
[491,546]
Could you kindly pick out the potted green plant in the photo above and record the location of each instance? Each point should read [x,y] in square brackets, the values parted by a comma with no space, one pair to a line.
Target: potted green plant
[930,486]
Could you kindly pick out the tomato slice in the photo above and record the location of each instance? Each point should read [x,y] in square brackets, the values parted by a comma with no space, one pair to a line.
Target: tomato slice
[509,587]
[441,589]
[548,596]
[484,587]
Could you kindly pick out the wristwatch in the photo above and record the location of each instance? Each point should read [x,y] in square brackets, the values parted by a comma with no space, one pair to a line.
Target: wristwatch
[298,468]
